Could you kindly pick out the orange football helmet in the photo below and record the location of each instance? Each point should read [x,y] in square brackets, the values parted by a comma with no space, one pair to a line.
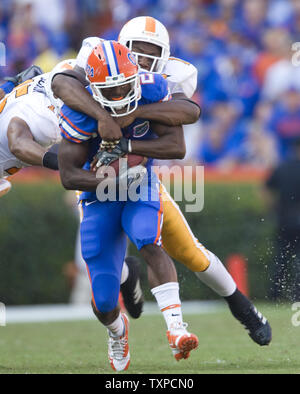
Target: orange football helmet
[109,66]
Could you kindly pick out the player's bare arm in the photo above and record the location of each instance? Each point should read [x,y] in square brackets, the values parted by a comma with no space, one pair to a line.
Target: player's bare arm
[176,112]
[72,92]
[71,158]
[22,145]
[169,145]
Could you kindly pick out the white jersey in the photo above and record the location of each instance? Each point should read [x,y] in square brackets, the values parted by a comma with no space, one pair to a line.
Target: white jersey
[64,65]
[180,75]
[29,102]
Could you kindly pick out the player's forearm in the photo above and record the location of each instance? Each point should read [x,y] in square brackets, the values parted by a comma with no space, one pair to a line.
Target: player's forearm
[79,179]
[175,112]
[74,95]
[22,145]
[71,158]
[28,151]
[163,148]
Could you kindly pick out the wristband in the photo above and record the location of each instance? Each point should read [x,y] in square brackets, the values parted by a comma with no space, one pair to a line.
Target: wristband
[129,146]
[50,161]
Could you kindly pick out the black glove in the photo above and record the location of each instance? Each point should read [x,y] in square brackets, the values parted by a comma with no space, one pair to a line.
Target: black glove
[107,157]
[23,76]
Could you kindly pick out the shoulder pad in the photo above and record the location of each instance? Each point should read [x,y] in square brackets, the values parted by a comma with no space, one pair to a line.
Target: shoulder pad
[181,76]
[154,88]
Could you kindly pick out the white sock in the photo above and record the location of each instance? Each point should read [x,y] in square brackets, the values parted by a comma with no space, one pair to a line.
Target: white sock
[125,273]
[217,277]
[116,328]
[167,297]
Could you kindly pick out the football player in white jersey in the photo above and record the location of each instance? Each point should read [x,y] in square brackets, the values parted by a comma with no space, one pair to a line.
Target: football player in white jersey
[149,41]
[7,87]
[28,123]
[12,82]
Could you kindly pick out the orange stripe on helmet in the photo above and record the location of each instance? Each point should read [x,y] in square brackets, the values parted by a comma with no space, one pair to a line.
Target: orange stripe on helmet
[150,25]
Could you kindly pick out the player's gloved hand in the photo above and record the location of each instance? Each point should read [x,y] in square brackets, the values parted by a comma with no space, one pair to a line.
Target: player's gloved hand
[23,76]
[105,158]
[121,146]
[110,152]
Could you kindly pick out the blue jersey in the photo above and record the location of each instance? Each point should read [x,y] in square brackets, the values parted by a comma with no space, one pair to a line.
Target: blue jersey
[78,127]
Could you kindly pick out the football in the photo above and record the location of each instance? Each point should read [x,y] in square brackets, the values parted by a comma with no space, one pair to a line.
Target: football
[132,160]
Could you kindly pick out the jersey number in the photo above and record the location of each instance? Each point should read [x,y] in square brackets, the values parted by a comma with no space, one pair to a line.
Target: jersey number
[20,90]
[147,79]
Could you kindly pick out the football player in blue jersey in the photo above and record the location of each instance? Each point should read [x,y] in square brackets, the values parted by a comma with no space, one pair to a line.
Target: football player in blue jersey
[148,39]
[181,244]
[117,85]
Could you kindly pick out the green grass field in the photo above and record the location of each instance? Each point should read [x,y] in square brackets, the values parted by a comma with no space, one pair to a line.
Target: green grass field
[81,347]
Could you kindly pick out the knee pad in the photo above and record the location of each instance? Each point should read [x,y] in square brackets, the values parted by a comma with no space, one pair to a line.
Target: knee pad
[90,243]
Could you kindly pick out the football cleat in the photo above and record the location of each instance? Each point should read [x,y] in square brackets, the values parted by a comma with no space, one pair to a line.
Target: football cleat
[118,349]
[131,289]
[257,326]
[5,187]
[181,341]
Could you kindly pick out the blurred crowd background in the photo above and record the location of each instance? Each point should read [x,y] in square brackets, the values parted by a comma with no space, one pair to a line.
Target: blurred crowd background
[248,88]
[249,92]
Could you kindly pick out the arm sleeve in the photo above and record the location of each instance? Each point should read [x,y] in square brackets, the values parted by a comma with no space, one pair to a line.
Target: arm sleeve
[7,87]
[76,126]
